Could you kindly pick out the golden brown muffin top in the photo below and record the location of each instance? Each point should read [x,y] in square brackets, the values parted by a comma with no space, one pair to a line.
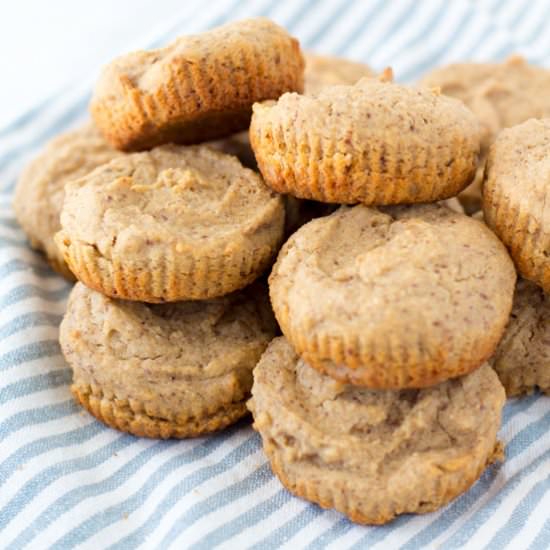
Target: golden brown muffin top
[171,196]
[404,295]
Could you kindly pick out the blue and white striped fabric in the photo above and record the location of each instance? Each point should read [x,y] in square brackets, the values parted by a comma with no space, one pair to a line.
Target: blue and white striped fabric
[67,481]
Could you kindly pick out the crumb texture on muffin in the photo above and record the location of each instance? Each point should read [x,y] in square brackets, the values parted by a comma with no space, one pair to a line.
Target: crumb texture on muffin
[199,87]
[374,454]
[522,359]
[515,196]
[501,95]
[165,370]
[324,70]
[376,142]
[398,297]
[170,224]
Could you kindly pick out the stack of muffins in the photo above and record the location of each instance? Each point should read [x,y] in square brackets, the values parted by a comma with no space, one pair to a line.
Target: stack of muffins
[378,399]
[167,321]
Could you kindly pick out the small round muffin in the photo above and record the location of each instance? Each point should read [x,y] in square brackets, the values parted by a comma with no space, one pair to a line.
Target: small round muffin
[401,297]
[165,370]
[322,71]
[522,359]
[377,143]
[500,95]
[200,87]
[374,454]
[40,189]
[174,223]
[515,195]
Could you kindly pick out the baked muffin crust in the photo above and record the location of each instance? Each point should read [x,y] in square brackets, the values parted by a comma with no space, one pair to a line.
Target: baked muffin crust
[398,297]
[501,95]
[373,454]
[199,87]
[515,196]
[174,223]
[324,70]
[377,143]
[165,370]
[522,359]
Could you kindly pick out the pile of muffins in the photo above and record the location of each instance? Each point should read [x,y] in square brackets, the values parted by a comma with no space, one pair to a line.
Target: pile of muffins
[402,324]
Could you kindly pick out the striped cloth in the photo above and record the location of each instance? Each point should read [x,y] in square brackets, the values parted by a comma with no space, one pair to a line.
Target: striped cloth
[67,481]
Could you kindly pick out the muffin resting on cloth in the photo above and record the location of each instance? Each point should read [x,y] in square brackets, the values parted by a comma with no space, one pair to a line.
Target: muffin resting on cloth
[165,370]
[374,454]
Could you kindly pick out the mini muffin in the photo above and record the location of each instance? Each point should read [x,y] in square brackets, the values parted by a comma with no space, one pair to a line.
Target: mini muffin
[374,454]
[515,195]
[40,189]
[401,297]
[376,142]
[200,87]
[500,95]
[522,359]
[165,370]
[175,223]
[322,71]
